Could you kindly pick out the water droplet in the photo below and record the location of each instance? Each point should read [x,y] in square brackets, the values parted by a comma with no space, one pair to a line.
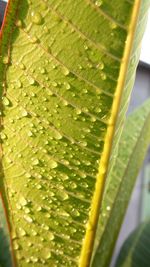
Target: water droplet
[47,254]
[3,136]
[28,218]
[58,136]
[65,71]
[6,101]
[65,102]
[86,47]
[54,84]
[42,70]
[103,76]
[93,119]
[64,177]
[78,111]
[34,233]
[67,86]
[22,66]
[15,246]
[22,232]
[28,175]
[113,25]
[62,195]
[23,201]
[53,164]
[100,66]
[36,18]
[99,3]
[30,133]
[75,213]
[83,144]
[38,186]
[63,213]
[50,236]
[72,185]
[46,30]
[34,259]
[18,84]
[5,59]
[31,81]
[33,39]
[19,23]
[35,162]
[24,113]
[98,110]
[80,67]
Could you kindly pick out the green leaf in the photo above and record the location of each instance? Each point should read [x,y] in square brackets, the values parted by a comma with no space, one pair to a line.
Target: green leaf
[135,251]
[6,259]
[63,75]
[133,145]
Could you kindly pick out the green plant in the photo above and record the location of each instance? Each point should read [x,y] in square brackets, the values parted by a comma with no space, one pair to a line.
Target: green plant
[135,250]
[66,72]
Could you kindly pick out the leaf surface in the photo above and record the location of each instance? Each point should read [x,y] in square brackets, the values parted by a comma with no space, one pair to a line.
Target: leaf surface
[62,75]
[133,145]
[135,250]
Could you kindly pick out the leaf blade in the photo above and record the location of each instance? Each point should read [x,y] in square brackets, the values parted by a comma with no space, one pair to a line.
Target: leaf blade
[37,157]
[122,177]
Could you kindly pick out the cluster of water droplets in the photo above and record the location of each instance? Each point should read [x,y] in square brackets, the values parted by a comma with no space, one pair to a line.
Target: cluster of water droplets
[56,123]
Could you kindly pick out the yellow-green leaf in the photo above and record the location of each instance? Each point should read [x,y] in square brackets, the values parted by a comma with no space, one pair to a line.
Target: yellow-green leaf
[63,67]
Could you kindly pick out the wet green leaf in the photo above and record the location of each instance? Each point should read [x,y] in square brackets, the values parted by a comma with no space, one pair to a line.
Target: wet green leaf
[63,71]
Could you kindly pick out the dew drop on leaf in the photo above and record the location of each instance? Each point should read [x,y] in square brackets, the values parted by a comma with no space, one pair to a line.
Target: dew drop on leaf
[65,71]
[99,3]
[6,101]
[3,136]
[75,213]
[54,84]
[58,136]
[18,84]
[22,66]
[53,164]
[33,39]
[113,25]
[50,236]
[103,76]
[24,113]
[100,65]
[35,162]
[47,254]
[27,210]
[42,70]
[39,186]
[5,59]
[22,232]
[36,18]
[28,218]
[23,201]
[63,195]
[19,23]
[67,86]
[30,133]
[28,175]
[31,81]
[78,111]
[15,246]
